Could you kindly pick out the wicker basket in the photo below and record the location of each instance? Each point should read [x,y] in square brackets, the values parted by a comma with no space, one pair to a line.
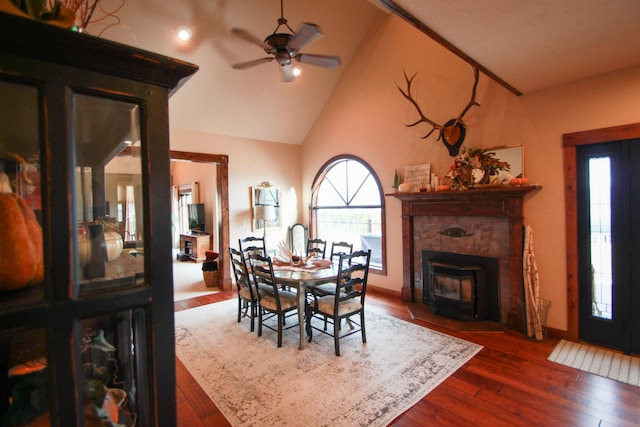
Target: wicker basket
[210,278]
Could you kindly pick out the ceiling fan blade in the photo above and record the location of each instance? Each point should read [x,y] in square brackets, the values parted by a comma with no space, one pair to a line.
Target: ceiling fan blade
[286,71]
[307,33]
[247,36]
[326,61]
[244,65]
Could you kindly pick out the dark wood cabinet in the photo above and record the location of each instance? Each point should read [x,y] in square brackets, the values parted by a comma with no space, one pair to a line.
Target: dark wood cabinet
[86,337]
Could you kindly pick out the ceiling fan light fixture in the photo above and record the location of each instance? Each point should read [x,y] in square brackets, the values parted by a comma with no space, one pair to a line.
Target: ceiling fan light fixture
[283,58]
[184,33]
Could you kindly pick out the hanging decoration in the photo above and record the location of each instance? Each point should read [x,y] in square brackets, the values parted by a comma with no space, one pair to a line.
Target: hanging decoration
[452,133]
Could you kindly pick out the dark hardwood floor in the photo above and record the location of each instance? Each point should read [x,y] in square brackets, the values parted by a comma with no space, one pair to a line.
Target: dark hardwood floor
[508,383]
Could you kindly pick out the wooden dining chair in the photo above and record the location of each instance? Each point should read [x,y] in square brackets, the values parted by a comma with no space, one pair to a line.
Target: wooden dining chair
[340,248]
[348,301]
[273,301]
[317,248]
[247,292]
[250,245]
[337,249]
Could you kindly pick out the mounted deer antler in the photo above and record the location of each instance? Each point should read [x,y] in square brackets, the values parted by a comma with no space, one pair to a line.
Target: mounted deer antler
[452,132]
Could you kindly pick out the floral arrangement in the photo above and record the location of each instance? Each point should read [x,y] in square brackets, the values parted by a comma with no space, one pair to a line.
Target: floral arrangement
[93,12]
[473,167]
[76,14]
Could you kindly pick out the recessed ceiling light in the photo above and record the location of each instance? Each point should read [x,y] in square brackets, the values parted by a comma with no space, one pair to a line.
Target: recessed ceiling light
[184,33]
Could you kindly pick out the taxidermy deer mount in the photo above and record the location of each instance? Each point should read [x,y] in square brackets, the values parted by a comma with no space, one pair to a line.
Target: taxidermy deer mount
[453,131]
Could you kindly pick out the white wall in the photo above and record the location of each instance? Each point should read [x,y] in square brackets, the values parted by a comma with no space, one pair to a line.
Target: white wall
[250,163]
[366,113]
[365,117]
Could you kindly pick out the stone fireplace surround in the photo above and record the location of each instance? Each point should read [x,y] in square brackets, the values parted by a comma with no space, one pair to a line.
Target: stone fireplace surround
[485,222]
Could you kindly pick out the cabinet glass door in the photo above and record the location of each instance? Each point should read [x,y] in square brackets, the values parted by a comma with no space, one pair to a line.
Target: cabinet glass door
[24,373]
[24,396]
[21,252]
[111,346]
[108,194]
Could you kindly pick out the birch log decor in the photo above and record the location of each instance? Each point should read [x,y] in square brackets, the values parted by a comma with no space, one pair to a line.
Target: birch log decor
[532,302]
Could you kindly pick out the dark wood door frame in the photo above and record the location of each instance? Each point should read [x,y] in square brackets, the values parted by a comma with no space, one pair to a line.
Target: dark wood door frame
[221,161]
[569,143]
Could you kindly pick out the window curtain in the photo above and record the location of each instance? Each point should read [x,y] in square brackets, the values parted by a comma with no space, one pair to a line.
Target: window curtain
[186,194]
[195,192]
[130,215]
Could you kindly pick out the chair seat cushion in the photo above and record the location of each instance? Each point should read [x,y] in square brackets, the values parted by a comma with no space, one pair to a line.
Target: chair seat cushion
[326,305]
[326,288]
[287,300]
[245,294]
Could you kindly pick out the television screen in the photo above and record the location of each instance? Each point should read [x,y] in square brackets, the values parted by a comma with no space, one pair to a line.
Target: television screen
[196,216]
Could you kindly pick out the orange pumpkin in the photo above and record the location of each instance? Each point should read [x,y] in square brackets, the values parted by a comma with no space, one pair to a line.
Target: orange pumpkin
[21,253]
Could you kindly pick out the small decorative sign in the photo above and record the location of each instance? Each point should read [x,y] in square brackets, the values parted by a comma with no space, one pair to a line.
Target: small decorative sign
[417,176]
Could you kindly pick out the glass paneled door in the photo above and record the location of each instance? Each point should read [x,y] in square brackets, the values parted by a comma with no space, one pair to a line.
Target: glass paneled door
[609,244]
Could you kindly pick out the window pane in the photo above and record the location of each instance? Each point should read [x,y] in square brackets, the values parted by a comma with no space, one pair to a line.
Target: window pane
[600,222]
[348,207]
[328,195]
[368,194]
[348,183]
[358,226]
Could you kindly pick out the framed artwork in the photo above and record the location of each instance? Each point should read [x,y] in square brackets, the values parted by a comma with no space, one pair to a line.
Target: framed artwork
[265,206]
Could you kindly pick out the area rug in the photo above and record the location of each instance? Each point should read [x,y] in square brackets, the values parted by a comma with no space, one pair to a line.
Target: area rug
[255,383]
[598,361]
[188,281]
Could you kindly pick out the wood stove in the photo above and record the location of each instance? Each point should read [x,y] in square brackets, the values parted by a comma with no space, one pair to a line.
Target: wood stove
[464,287]
[457,291]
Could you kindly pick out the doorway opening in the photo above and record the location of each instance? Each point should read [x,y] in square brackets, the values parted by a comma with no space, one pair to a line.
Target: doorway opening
[221,228]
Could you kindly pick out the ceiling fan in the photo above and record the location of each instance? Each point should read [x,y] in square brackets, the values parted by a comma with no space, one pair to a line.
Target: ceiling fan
[284,47]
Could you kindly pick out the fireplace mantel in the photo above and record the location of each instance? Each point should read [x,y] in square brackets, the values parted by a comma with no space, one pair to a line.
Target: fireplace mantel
[503,201]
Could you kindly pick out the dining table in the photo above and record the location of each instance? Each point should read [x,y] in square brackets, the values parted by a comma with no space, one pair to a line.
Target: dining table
[301,278]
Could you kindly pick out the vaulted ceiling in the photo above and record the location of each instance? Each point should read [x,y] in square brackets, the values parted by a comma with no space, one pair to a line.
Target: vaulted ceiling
[526,46]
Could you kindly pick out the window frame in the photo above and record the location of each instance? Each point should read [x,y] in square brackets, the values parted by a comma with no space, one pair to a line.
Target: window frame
[313,209]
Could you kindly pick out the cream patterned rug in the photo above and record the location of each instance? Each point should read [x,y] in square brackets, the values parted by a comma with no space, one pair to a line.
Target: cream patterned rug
[188,281]
[255,383]
[598,361]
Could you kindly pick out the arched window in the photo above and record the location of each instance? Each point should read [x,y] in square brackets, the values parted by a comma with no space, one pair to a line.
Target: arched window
[347,204]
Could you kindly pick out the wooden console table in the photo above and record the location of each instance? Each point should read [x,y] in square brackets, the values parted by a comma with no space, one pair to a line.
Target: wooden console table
[195,245]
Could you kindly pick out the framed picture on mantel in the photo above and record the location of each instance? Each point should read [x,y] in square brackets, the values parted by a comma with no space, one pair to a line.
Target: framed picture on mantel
[417,176]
